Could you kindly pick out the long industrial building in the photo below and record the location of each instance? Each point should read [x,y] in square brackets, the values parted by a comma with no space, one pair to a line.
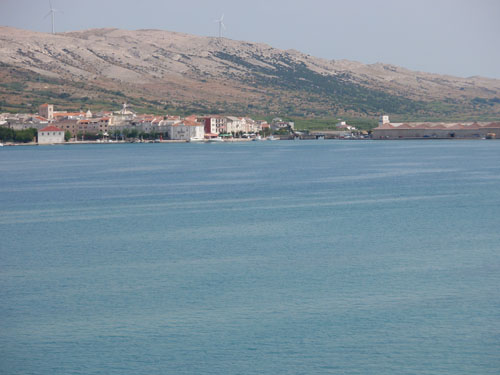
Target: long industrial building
[408,130]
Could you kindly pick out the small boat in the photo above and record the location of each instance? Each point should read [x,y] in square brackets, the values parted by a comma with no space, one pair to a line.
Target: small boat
[194,139]
[257,138]
[215,140]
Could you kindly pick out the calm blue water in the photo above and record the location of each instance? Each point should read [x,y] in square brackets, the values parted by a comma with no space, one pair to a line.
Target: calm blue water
[258,258]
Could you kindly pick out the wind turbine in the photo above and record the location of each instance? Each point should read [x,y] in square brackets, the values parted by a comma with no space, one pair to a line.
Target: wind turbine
[221,25]
[52,11]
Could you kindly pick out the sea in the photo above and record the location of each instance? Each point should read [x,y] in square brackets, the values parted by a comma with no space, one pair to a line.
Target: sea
[284,257]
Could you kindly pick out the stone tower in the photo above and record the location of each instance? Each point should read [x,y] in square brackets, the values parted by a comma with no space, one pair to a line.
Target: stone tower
[47,111]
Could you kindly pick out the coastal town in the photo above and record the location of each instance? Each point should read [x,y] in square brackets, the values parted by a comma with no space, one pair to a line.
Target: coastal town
[108,126]
[56,127]
[125,125]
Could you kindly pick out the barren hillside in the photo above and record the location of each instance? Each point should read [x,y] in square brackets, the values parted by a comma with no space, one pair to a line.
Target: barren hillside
[155,70]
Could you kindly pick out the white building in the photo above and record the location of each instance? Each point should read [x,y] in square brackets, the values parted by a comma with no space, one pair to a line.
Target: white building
[185,130]
[278,124]
[147,124]
[253,126]
[123,116]
[50,134]
[384,119]
[235,124]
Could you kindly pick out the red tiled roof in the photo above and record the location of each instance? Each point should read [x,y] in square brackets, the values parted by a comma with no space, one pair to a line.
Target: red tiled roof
[192,123]
[425,126]
[187,123]
[457,126]
[439,125]
[62,114]
[474,126]
[385,125]
[404,126]
[51,128]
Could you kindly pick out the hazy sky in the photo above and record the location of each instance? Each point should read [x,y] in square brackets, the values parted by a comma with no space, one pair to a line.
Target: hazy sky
[456,37]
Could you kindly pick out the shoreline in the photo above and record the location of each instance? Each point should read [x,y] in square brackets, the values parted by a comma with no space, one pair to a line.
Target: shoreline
[238,140]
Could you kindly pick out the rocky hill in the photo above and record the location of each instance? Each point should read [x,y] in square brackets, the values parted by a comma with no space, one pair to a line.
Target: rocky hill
[158,70]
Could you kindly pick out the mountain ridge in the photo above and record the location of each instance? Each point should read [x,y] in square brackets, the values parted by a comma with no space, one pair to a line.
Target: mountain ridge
[170,70]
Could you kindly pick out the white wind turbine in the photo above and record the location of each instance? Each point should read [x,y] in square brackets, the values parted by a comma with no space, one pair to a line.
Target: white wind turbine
[221,25]
[52,11]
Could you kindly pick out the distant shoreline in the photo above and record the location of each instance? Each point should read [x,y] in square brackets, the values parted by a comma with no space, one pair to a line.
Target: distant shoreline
[9,144]
[235,141]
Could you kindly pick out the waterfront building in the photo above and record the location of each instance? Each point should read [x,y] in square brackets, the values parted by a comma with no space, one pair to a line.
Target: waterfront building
[148,123]
[235,124]
[185,130]
[262,125]
[388,130]
[278,124]
[50,135]
[70,125]
[90,126]
[215,124]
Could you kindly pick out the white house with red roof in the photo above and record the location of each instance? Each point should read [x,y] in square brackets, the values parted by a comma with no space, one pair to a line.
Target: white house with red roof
[50,134]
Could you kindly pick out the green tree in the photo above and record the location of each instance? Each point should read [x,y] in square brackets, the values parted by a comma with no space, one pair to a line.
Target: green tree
[6,134]
[67,135]
[265,132]
[133,133]
[25,136]
[90,136]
